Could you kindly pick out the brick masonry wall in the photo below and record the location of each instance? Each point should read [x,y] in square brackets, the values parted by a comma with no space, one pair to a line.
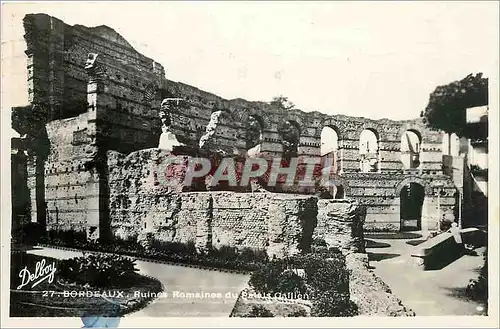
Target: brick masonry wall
[65,174]
[281,224]
[340,224]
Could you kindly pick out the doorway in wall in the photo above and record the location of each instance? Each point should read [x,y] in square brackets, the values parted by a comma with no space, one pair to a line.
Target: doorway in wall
[411,202]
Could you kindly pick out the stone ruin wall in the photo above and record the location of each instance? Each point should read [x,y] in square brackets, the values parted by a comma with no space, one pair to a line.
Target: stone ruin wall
[281,224]
[121,93]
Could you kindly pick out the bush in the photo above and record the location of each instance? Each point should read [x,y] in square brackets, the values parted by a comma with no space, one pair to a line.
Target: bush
[259,311]
[29,233]
[333,304]
[174,247]
[478,289]
[224,257]
[326,271]
[326,282]
[225,253]
[65,238]
[251,255]
[98,270]
[289,282]
[298,314]
[265,279]
[319,242]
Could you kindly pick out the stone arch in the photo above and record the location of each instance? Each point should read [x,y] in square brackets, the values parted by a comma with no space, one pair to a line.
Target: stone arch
[296,119]
[264,117]
[254,131]
[413,179]
[374,128]
[329,139]
[332,123]
[369,150]
[410,148]
[290,133]
[411,206]
[296,124]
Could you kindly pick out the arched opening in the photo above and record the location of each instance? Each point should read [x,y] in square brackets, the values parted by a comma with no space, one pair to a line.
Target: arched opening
[410,149]
[329,140]
[368,151]
[254,135]
[339,192]
[411,202]
[290,136]
[329,148]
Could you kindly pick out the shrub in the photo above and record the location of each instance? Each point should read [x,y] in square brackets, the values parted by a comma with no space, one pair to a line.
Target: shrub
[319,242]
[478,289]
[98,270]
[251,255]
[29,233]
[298,314]
[259,311]
[66,238]
[288,281]
[173,247]
[326,271]
[333,304]
[226,253]
[327,281]
[265,279]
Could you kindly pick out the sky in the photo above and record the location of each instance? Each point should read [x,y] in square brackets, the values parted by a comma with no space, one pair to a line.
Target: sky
[369,59]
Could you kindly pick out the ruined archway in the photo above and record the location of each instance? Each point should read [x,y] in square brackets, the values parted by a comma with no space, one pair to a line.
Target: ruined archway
[411,198]
[329,141]
[254,128]
[339,192]
[290,136]
[410,149]
[329,148]
[368,151]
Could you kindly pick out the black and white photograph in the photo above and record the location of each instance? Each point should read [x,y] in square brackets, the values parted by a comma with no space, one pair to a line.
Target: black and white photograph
[221,161]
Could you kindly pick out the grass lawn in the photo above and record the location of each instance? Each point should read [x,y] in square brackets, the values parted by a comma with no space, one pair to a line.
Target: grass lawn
[55,299]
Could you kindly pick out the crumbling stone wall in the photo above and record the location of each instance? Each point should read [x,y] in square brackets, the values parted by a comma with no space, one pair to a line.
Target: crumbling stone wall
[281,224]
[340,224]
[66,175]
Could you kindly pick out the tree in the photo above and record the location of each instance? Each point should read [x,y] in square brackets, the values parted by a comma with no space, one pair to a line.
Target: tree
[282,102]
[447,106]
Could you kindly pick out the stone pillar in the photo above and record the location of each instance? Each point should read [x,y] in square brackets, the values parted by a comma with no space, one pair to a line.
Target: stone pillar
[291,222]
[341,156]
[202,211]
[45,51]
[379,157]
[340,224]
[94,210]
[96,190]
